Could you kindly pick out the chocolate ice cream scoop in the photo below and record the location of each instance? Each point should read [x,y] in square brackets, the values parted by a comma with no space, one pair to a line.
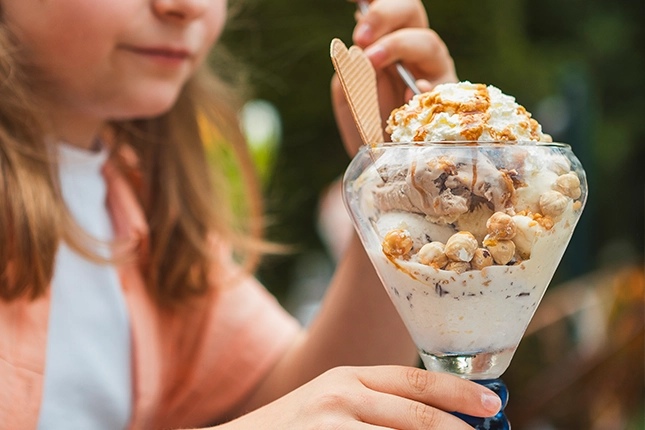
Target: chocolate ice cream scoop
[444,187]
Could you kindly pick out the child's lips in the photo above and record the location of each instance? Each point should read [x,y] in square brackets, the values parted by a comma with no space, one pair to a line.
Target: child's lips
[163,54]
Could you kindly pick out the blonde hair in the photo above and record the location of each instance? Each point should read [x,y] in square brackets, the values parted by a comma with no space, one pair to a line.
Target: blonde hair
[182,196]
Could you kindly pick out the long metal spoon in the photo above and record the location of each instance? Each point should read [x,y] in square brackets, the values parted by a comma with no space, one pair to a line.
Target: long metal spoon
[363,6]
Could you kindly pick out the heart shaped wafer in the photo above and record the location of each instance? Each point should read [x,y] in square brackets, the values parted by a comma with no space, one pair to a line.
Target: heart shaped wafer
[358,79]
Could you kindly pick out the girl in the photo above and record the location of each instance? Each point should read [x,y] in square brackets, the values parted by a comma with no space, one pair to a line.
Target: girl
[100,143]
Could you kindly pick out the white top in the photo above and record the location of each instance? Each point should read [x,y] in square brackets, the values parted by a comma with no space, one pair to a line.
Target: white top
[88,381]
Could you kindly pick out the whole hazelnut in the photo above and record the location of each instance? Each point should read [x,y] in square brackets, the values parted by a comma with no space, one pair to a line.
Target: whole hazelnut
[500,226]
[461,246]
[503,251]
[481,259]
[553,203]
[432,254]
[569,185]
[397,243]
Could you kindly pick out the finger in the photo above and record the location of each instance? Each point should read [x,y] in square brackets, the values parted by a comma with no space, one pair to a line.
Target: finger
[421,50]
[386,16]
[357,425]
[424,85]
[405,414]
[440,390]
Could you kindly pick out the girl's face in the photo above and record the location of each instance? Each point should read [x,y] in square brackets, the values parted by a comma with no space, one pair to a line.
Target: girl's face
[114,59]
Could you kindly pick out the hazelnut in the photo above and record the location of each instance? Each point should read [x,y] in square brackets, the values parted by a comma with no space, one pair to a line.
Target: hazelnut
[559,164]
[432,254]
[481,259]
[569,185]
[500,226]
[461,246]
[553,203]
[397,243]
[458,267]
[503,251]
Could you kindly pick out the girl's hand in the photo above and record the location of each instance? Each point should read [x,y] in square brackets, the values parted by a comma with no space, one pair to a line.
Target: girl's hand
[390,397]
[391,31]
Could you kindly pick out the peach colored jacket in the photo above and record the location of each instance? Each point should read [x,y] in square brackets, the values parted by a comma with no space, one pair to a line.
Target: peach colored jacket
[189,367]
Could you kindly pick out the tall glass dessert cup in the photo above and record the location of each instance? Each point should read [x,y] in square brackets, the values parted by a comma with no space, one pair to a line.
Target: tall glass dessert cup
[466,237]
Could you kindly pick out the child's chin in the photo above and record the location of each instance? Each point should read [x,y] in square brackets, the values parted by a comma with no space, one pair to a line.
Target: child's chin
[149,104]
[145,112]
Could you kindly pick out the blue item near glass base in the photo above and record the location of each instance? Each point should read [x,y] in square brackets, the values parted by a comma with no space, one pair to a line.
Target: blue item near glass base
[497,422]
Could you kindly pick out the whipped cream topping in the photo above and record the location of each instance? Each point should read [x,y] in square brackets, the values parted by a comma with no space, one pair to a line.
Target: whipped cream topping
[463,112]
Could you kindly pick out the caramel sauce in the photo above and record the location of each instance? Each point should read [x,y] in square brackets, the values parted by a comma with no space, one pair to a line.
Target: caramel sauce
[474,114]
[398,266]
[508,197]
[419,188]
[472,186]
[534,129]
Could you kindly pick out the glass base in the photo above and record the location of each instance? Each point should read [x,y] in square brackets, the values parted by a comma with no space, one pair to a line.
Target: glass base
[478,365]
[497,422]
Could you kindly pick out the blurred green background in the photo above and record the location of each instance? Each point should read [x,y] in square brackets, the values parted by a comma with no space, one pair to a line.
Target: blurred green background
[577,65]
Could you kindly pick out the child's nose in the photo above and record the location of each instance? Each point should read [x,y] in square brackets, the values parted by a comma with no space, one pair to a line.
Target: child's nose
[180,10]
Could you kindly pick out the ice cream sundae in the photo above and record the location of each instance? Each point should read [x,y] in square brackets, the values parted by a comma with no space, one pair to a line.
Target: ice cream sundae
[465,215]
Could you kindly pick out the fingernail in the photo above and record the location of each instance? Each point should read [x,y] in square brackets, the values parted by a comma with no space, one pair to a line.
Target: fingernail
[363,35]
[376,54]
[491,402]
